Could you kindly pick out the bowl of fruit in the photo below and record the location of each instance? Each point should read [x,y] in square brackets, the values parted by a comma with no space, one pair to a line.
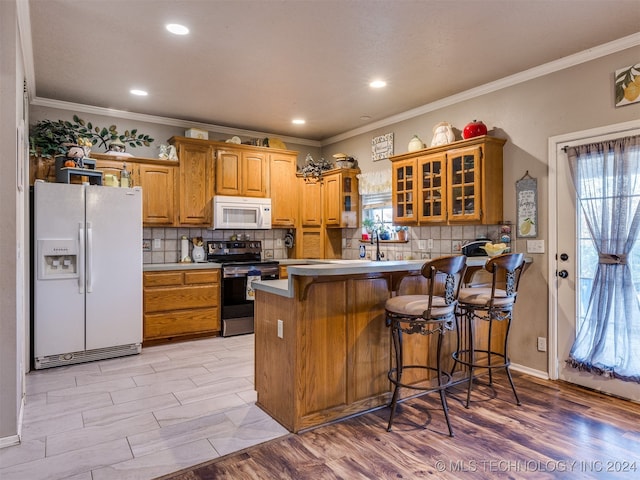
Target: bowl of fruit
[494,249]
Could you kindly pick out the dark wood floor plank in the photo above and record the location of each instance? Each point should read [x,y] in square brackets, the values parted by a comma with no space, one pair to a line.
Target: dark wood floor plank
[560,431]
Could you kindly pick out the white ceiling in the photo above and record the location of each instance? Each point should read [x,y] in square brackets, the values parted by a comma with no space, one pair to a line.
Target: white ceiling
[257,64]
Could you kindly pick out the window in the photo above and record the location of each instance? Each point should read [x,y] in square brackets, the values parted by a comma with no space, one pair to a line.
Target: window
[377,207]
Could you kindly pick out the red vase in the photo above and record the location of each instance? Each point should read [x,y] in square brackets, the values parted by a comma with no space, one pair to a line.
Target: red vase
[474,129]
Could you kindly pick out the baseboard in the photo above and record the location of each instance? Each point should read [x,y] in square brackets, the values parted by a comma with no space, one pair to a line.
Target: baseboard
[529,371]
[14,439]
[9,441]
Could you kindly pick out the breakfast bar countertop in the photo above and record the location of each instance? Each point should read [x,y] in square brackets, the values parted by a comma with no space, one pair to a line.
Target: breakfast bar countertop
[318,268]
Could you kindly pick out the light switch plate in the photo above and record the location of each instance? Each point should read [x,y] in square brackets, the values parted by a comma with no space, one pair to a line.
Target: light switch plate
[422,244]
[535,246]
[157,243]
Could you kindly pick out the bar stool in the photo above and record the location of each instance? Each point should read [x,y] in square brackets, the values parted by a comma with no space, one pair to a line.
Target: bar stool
[429,314]
[490,304]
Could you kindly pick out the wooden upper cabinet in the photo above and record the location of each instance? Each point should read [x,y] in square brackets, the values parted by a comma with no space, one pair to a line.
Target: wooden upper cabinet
[341,198]
[310,203]
[158,193]
[284,196]
[195,183]
[241,173]
[157,179]
[450,184]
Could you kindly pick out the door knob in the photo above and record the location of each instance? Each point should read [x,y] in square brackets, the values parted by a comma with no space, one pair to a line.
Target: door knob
[564,257]
[563,274]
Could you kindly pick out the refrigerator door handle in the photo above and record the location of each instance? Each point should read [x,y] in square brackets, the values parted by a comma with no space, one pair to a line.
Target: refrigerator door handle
[89,254]
[81,258]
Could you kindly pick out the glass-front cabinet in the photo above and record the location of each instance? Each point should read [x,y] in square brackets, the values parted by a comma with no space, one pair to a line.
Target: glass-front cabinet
[432,188]
[449,184]
[404,191]
[464,184]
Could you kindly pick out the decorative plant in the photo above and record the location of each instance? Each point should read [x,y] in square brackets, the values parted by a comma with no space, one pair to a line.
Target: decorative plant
[48,138]
[368,224]
[312,170]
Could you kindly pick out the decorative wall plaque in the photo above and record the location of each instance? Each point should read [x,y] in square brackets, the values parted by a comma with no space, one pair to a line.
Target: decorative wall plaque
[527,206]
[382,147]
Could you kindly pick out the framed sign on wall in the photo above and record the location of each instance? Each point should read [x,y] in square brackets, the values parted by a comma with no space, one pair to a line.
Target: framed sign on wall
[527,206]
[382,147]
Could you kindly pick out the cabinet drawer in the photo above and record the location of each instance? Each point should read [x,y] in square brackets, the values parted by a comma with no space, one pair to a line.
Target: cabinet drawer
[180,298]
[162,279]
[163,325]
[206,276]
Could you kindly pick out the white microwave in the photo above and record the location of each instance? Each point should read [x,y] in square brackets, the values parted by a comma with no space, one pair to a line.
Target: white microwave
[246,213]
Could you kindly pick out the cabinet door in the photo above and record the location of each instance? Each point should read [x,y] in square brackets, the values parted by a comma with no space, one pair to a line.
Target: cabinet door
[331,196]
[254,174]
[432,188]
[158,190]
[310,204]
[284,198]
[196,184]
[404,191]
[463,184]
[228,165]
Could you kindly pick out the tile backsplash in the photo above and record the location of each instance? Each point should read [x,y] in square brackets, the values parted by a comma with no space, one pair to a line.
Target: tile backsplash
[445,240]
[164,243]
[168,241]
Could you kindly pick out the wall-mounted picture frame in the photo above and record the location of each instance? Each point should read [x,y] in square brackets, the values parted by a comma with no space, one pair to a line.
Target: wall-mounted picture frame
[527,206]
[627,85]
[382,147]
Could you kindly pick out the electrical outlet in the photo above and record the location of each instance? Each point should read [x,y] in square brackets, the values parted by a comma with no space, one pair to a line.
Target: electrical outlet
[430,244]
[422,244]
[157,244]
[280,329]
[542,344]
[279,242]
[535,246]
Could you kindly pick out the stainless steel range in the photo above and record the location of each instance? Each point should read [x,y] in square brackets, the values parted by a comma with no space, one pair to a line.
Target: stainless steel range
[241,263]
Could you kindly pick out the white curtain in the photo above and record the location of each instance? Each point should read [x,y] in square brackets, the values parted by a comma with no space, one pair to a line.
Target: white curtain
[371,183]
[607,180]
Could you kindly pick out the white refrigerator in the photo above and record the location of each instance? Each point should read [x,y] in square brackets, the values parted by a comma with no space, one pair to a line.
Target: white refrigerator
[87,273]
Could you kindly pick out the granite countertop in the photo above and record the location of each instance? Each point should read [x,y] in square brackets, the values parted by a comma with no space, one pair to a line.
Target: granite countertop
[158,267]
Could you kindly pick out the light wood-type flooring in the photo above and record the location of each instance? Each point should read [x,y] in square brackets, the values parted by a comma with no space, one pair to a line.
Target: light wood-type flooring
[139,417]
[559,431]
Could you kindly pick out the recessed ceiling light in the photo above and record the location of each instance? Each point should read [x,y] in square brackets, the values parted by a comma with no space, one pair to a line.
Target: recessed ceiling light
[298,121]
[177,29]
[365,117]
[378,84]
[140,93]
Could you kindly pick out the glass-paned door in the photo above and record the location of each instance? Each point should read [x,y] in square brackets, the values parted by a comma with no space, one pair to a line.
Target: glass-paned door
[403,181]
[464,188]
[432,188]
[579,264]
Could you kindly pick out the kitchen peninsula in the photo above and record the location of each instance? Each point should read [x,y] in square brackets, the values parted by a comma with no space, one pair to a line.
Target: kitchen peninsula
[322,347]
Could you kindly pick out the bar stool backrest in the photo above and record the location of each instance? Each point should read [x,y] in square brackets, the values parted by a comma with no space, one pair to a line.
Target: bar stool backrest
[445,277]
[505,270]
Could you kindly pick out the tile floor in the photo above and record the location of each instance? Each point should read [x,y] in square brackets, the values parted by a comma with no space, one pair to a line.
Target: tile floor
[139,417]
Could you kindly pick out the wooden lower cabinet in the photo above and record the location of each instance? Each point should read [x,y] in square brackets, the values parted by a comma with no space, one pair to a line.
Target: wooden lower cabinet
[181,304]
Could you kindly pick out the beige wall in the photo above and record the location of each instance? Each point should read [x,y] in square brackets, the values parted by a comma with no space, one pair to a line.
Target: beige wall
[527,114]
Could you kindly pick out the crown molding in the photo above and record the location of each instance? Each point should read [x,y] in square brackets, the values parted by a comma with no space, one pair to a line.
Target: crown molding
[515,79]
[173,122]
